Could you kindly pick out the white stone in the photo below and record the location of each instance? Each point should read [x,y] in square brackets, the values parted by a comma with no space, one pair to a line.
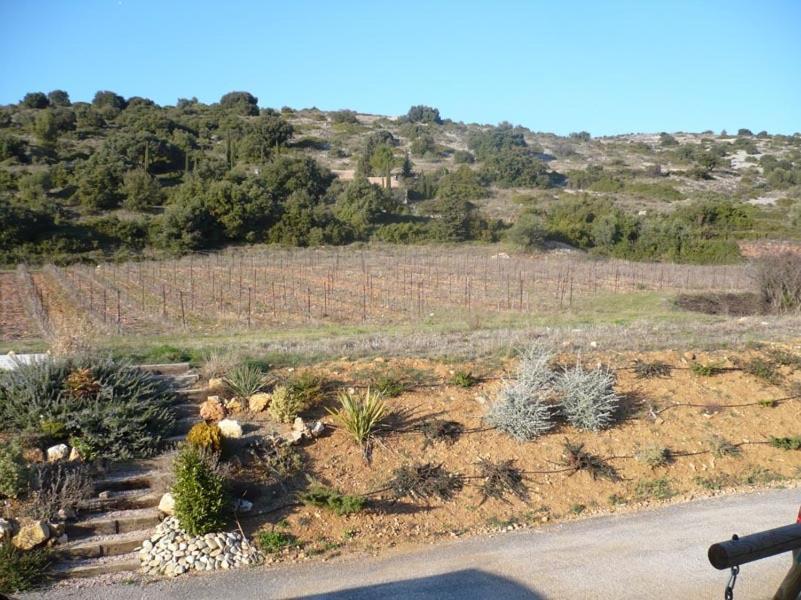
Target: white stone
[243,505]
[58,452]
[317,429]
[167,504]
[75,455]
[6,529]
[230,428]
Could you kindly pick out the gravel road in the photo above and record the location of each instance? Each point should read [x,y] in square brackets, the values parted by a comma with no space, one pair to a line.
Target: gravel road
[653,554]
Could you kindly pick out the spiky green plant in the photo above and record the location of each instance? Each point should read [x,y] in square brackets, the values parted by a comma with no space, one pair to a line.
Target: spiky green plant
[359,415]
[245,380]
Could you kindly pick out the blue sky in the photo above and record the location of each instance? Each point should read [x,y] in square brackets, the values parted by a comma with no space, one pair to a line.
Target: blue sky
[606,67]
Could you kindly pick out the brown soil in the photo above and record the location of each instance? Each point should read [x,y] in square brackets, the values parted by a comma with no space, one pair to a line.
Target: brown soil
[735,305]
[683,412]
[15,324]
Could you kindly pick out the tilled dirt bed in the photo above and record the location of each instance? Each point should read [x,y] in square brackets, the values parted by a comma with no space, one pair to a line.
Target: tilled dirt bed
[715,430]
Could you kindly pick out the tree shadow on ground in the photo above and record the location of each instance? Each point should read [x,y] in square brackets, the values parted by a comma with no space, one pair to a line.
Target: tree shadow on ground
[467,584]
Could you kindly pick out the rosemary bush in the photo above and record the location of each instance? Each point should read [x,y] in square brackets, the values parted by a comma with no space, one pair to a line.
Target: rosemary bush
[124,412]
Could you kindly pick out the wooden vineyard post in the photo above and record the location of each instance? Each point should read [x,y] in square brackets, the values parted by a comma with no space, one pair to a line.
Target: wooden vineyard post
[250,300]
[105,308]
[119,313]
[163,301]
[364,297]
[183,313]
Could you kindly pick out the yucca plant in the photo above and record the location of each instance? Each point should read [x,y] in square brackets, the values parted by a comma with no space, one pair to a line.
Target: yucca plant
[360,415]
[246,380]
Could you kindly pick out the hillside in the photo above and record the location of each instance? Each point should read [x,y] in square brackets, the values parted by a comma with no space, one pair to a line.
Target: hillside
[120,177]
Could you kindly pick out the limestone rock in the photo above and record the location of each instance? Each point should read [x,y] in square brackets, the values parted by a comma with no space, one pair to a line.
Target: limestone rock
[7,529]
[33,455]
[67,513]
[317,429]
[242,505]
[58,452]
[212,409]
[230,428]
[233,405]
[31,534]
[258,402]
[167,504]
[217,383]
[75,454]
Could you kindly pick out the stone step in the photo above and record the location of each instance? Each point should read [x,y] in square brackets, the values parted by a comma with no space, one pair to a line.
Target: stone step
[122,500]
[187,409]
[102,545]
[113,522]
[197,394]
[125,480]
[180,381]
[172,442]
[185,424]
[92,567]
[167,368]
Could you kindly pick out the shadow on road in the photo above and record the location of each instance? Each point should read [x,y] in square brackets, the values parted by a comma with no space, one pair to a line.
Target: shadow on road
[469,584]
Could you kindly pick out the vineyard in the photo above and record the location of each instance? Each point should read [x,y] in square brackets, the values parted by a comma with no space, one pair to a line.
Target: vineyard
[284,288]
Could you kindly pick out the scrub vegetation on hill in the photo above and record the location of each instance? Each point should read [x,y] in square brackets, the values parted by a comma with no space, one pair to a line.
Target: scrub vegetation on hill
[118,177]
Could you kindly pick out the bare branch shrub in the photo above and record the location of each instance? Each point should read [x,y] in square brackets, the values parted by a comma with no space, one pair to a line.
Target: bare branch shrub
[423,481]
[501,479]
[578,459]
[440,430]
[59,486]
[779,280]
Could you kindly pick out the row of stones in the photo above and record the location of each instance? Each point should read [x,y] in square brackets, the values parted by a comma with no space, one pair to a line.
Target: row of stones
[171,551]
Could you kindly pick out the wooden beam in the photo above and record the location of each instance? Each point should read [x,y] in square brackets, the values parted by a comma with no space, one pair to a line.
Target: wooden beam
[755,546]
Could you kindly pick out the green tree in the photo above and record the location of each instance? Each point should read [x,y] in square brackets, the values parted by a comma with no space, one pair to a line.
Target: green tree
[382,161]
[59,98]
[35,100]
[108,103]
[362,203]
[423,114]
[407,168]
[485,144]
[517,168]
[98,182]
[528,231]
[45,127]
[243,103]
[455,216]
[140,190]
[463,183]
[189,225]
[267,134]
